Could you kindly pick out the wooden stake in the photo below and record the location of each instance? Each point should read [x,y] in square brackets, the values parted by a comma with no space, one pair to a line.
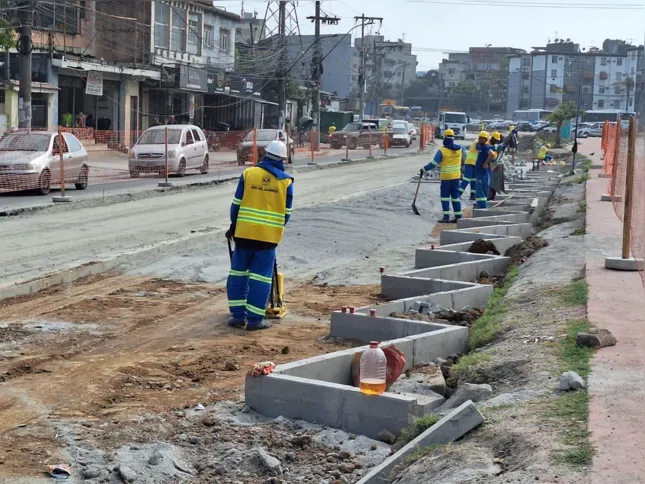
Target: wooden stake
[629,187]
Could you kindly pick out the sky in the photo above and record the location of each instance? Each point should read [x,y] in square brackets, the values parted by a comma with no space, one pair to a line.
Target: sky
[443,25]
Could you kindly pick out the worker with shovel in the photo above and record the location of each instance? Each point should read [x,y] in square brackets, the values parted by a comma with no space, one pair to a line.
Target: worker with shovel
[449,158]
[260,210]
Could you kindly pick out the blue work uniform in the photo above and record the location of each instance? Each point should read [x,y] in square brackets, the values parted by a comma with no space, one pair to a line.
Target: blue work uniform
[260,210]
[469,172]
[449,159]
[482,175]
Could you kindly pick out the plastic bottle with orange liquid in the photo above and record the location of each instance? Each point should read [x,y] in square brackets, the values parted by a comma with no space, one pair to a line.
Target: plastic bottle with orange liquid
[373,370]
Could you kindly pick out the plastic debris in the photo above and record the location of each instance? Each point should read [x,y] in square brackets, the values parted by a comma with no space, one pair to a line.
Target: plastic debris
[60,471]
[199,406]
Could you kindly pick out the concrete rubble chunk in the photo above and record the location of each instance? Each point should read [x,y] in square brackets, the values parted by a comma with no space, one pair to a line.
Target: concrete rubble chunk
[600,338]
[450,428]
[466,392]
[569,381]
[268,461]
[387,437]
[127,474]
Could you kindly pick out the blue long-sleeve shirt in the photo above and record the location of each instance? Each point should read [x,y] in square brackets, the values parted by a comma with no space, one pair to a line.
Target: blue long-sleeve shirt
[438,158]
[274,167]
[482,157]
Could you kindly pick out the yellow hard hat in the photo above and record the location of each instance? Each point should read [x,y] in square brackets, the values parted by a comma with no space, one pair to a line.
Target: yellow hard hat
[497,136]
[449,132]
[484,134]
[548,145]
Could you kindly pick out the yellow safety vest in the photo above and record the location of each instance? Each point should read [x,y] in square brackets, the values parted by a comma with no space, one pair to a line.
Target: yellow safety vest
[471,157]
[263,206]
[450,164]
[542,153]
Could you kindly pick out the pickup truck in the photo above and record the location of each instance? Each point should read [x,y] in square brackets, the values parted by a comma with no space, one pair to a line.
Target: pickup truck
[356,134]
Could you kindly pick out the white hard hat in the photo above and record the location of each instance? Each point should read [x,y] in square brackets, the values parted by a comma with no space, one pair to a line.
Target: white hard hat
[277,149]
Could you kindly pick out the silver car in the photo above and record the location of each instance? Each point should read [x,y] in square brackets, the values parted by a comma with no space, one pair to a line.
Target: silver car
[187,150]
[32,161]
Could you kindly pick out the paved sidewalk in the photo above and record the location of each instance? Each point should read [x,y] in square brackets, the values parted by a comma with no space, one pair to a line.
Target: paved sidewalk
[617,381]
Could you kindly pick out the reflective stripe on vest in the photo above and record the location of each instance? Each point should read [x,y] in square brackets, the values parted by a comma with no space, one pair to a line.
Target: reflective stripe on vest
[471,157]
[542,153]
[450,164]
[263,207]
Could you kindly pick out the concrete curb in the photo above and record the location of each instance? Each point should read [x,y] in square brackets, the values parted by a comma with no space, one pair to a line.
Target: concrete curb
[452,427]
[361,161]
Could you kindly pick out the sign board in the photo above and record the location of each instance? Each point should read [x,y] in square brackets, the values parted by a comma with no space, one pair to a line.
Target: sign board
[193,78]
[94,86]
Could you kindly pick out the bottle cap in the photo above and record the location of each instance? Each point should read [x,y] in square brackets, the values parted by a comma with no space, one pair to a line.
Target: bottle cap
[373,344]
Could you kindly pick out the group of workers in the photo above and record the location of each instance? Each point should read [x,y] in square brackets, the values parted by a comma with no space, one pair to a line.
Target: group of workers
[479,162]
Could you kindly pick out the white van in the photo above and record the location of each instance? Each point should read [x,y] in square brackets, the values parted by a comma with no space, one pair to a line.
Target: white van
[454,120]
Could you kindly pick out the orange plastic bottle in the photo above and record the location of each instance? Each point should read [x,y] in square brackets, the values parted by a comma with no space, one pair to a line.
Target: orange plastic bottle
[373,370]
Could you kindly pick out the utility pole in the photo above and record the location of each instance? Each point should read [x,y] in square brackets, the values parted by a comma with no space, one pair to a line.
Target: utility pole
[282,76]
[25,48]
[361,71]
[317,69]
[403,85]
[575,133]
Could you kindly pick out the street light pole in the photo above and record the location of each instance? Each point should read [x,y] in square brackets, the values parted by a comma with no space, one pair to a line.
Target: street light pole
[575,133]
[24,49]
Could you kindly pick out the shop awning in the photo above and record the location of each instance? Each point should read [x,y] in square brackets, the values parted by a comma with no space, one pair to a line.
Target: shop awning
[66,63]
[36,87]
[247,96]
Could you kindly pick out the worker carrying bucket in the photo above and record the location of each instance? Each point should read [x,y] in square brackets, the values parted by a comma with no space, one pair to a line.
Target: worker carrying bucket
[260,210]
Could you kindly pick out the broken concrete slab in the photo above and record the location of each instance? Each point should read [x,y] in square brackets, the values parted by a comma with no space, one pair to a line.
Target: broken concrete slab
[450,428]
[466,392]
[600,338]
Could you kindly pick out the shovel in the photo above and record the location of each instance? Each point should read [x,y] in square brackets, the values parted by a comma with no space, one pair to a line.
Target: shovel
[414,202]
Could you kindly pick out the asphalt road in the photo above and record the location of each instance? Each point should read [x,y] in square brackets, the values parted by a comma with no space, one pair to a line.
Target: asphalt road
[109,176]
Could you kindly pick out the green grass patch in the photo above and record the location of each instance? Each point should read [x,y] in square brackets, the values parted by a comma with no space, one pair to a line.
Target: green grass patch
[570,411]
[579,231]
[418,426]
[575,294]
[581,178]
[467,363]
[582,206]
[573,357]
[485,329]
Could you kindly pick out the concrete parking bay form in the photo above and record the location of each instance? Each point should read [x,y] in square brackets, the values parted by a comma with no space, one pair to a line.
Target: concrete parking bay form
[319,389]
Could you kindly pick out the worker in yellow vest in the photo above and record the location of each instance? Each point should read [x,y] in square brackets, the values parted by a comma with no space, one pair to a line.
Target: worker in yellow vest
[469,172]
[260,210]
[543,156]
[449,158]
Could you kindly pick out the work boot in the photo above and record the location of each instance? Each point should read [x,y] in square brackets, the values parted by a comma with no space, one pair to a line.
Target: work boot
[443,221]
[257,327]
[454,220]
[235,323]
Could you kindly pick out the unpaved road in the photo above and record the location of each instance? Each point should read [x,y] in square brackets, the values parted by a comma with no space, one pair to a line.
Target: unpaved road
[44,243]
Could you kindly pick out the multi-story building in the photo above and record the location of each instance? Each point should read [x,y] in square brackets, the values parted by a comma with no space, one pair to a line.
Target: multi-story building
[549,76]
[250,29]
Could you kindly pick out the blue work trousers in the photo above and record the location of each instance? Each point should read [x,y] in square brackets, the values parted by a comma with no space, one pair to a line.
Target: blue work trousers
[449,192]
[469,178]
[481,194]
[249,284]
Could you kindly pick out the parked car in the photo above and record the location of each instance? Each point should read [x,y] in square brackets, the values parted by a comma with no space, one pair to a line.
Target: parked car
[413,131]
[548,129]
[32,161]
[355,134]
[262,139]
[525,126]
[595,130]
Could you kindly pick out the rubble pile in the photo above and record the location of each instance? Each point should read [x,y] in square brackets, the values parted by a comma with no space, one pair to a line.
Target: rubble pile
[522,251]
[481,246]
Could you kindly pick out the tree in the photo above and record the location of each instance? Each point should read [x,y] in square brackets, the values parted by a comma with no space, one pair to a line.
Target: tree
[464,95]
[627,86]
[562,113]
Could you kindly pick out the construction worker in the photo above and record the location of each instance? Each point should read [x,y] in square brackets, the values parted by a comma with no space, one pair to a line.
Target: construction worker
[449,158]
[469,172]
[485,156]
[260,210]
[497,169]
[543,155]
[332,129]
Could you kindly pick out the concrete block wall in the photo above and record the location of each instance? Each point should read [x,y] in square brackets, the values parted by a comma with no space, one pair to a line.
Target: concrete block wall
[319,389]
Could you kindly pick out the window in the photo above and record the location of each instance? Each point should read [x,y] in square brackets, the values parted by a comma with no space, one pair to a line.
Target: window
[619,61]
[619,76]
[601,90]
[526,61]
[178,38]
[525,89]
[195,33]
[586,89]
[615,104]
[554,59]
[196,135]
[189,138]
[603,61]
[451,72]
[618,90]
[162,25]
[554,73]
[525,76]
[72,143]
[208,35]
[83,9]
[601,104]
[224,40]
[61,17]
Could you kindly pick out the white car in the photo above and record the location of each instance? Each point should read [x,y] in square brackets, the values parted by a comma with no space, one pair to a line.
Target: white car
[595,130]
[187,150]
[32,161]
[413,131]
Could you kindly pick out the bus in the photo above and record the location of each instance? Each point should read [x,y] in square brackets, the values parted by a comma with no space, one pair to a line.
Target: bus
[397,112]
[601,115]
[531,115]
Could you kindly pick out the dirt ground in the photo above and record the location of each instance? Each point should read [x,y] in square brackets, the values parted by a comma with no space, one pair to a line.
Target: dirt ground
[112,347]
